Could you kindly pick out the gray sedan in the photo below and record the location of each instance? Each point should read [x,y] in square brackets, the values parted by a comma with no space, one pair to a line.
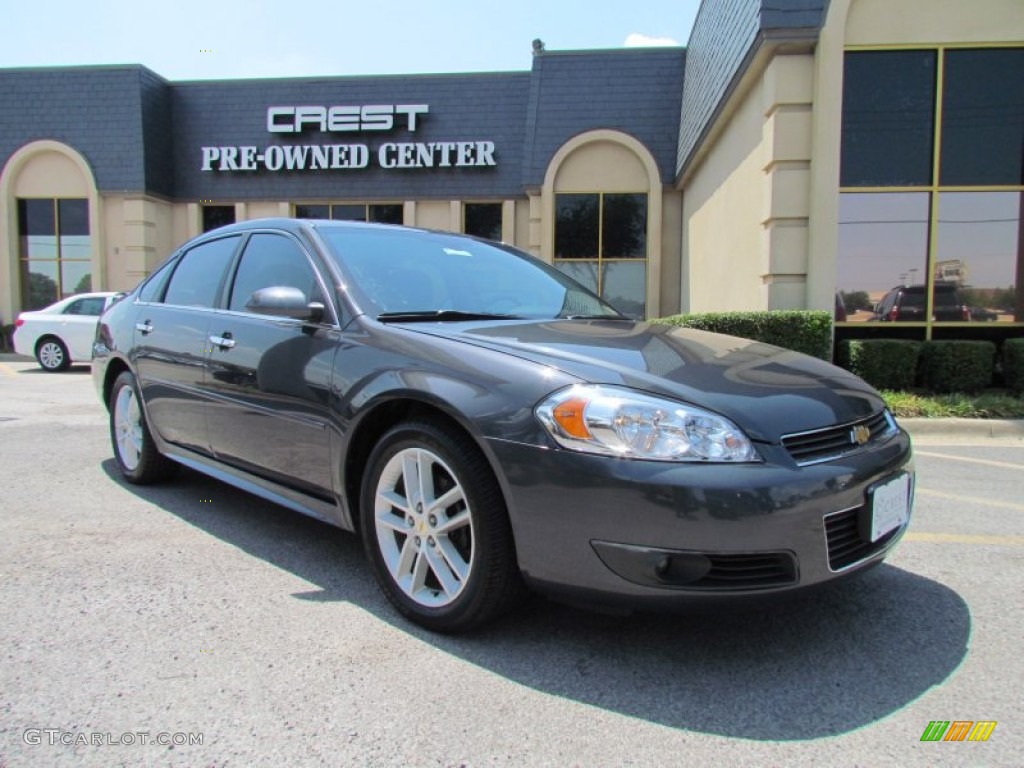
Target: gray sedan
[488,426]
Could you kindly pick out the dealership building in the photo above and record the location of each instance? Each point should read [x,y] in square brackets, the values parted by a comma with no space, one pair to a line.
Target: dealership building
[795,154]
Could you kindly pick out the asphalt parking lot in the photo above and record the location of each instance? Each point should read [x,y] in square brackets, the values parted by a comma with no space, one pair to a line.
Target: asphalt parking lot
[195,612]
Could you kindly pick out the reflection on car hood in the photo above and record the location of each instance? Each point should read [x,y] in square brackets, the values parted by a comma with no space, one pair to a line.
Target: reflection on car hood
[766,390]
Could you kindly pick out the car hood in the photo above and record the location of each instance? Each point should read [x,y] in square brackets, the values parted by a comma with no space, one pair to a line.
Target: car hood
[768,391]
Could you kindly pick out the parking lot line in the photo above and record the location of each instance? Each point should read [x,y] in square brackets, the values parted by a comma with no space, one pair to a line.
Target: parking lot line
[970,499]
[6,370]
[970,460]
[965,538]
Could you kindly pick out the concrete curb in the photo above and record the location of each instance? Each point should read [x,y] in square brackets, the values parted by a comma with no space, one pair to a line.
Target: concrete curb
[961,428]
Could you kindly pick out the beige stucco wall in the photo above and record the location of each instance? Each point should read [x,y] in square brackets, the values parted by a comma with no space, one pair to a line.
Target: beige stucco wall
[746,206]
[432,214]
[907,22]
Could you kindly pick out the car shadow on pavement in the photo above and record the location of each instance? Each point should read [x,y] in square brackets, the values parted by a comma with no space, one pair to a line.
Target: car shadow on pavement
[821,665]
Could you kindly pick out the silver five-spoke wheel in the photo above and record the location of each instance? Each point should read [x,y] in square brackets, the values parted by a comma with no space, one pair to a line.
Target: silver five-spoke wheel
[436,527]
[138,458]
[424,527]
[128,428]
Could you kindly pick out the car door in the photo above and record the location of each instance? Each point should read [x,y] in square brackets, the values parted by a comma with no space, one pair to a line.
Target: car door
[170,341]
[77,325]
[269,377]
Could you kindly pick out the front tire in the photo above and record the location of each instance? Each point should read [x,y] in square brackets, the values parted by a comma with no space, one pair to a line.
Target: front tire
[436,529]
[134,449]
[52,355]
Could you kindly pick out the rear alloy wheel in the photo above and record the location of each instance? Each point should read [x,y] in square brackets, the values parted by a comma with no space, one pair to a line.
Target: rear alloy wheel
[436,528]
[137,456]
[52,355]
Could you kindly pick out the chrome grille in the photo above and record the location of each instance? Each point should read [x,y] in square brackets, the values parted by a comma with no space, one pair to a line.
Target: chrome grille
[834,442]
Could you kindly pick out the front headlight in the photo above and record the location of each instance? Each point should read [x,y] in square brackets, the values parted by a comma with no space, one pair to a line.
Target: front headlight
[615,421]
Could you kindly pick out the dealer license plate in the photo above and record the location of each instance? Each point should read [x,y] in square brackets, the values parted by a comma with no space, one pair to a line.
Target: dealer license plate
[890,506]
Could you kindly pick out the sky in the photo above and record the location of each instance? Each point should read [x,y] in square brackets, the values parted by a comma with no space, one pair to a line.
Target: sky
[227,39]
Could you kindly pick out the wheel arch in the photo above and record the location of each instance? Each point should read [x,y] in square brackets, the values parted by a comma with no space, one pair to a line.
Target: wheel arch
[49,335]
[378,418]
[115,367]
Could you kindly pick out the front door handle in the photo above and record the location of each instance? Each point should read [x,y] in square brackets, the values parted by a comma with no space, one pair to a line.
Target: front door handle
[144,327]
[222,342]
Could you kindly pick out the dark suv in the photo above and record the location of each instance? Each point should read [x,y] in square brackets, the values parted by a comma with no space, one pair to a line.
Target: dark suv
[907,303]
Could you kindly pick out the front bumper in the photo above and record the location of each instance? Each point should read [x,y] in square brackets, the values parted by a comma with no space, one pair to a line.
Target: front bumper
[652,534]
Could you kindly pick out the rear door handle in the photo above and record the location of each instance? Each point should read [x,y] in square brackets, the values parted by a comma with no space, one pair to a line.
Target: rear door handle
[222,342]
[144,327]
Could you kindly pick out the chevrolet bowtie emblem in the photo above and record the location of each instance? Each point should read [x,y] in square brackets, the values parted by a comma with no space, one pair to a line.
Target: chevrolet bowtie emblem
[860,434]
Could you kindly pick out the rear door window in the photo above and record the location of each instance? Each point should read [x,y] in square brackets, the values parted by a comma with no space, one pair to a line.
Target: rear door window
[89,306]
[198,278]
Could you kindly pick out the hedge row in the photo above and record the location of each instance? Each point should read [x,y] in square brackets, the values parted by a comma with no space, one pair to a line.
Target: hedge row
[1013,365]
[940,366]
[809,332]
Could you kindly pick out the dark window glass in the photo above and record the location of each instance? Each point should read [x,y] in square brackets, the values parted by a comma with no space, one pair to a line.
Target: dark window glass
[154,286]
[197,278]
[888,118]
[90,306]
[348,212]
[576,226]
[624,227]
[73,215]
[979,249]
[272,260]
[883,245]
[386,214]
[38,284]
[217,216]
[36,217]
[312,211]
[483,220]
[983,118]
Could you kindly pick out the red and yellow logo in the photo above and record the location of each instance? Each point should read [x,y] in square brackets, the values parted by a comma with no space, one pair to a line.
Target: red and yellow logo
[958,730]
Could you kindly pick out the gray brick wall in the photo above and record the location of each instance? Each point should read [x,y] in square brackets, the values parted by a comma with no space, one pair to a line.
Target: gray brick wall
[723,35]
[95,110]
[637,92]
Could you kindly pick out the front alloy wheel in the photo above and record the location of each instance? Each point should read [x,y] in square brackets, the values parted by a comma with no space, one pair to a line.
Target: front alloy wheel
[436,528]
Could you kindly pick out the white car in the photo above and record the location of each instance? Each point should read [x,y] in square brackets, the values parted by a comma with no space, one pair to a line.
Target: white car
[62,333]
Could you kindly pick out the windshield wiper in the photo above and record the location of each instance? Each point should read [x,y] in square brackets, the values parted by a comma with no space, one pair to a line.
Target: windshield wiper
[439,315]
[595,317]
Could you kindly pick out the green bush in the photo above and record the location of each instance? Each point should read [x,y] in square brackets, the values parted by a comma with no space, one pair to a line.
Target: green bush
[957,366]
[1013,365]
[809,332]
[883,363]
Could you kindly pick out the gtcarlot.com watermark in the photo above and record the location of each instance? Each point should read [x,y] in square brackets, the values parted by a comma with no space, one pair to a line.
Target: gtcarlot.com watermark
[54,736]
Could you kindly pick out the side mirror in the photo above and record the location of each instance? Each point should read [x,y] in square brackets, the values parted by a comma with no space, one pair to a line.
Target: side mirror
[285,301]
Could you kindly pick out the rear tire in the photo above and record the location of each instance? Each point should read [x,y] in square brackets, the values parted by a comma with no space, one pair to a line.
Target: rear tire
[52,355]
[436,530]
[137,456]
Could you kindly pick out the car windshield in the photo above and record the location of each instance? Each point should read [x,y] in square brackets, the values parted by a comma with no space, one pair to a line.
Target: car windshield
[407,273]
